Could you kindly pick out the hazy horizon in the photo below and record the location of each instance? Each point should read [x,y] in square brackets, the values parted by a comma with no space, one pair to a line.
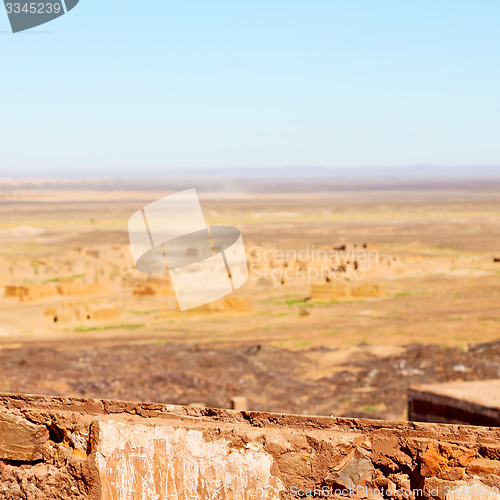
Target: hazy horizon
[416,171]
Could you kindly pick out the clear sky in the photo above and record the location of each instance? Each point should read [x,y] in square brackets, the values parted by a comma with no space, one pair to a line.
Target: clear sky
[120,87]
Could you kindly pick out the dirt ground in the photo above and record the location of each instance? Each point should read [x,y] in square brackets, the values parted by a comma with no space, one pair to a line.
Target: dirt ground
[76,318]
[357,382]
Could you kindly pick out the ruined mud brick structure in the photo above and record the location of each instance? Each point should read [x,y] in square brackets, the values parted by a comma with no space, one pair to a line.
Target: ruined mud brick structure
[473,403]
[64,448]
[341,290]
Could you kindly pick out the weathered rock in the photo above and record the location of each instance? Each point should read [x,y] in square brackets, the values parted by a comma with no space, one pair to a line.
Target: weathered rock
[482,466]
[124,451]
[357,469]
[20,440]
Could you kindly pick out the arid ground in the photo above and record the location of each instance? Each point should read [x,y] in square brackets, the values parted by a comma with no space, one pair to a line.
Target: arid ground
[357,289]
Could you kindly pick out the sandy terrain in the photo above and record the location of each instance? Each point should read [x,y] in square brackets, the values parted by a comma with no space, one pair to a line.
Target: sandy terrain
[413,290]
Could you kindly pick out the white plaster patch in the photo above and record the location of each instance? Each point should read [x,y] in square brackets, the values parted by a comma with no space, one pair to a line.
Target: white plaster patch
[160,462]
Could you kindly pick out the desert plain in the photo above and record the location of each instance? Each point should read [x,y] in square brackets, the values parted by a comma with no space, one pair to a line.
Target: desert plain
[357,289]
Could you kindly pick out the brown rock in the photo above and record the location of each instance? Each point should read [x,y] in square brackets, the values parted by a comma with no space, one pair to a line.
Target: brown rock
[491,451]
[356,470]
[453,473]
[20,440]
[439,489]
[458,456]
[387,450]
[483,466]
[433,462]
[445,460]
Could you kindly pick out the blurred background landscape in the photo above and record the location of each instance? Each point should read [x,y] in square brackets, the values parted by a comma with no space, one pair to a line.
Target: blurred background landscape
[343,337]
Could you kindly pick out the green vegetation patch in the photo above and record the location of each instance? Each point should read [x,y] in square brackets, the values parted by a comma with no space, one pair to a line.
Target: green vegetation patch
[123,326]
[65,278]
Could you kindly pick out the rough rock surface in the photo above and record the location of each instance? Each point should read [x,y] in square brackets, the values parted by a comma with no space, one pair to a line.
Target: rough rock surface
[90,449]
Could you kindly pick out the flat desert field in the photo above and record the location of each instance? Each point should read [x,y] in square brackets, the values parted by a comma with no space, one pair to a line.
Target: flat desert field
[357,289]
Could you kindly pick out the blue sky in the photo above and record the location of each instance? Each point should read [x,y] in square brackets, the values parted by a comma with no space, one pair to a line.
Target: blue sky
[121,87]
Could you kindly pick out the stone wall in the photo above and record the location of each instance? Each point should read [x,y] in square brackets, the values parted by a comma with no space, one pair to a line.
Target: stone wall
[62,448]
